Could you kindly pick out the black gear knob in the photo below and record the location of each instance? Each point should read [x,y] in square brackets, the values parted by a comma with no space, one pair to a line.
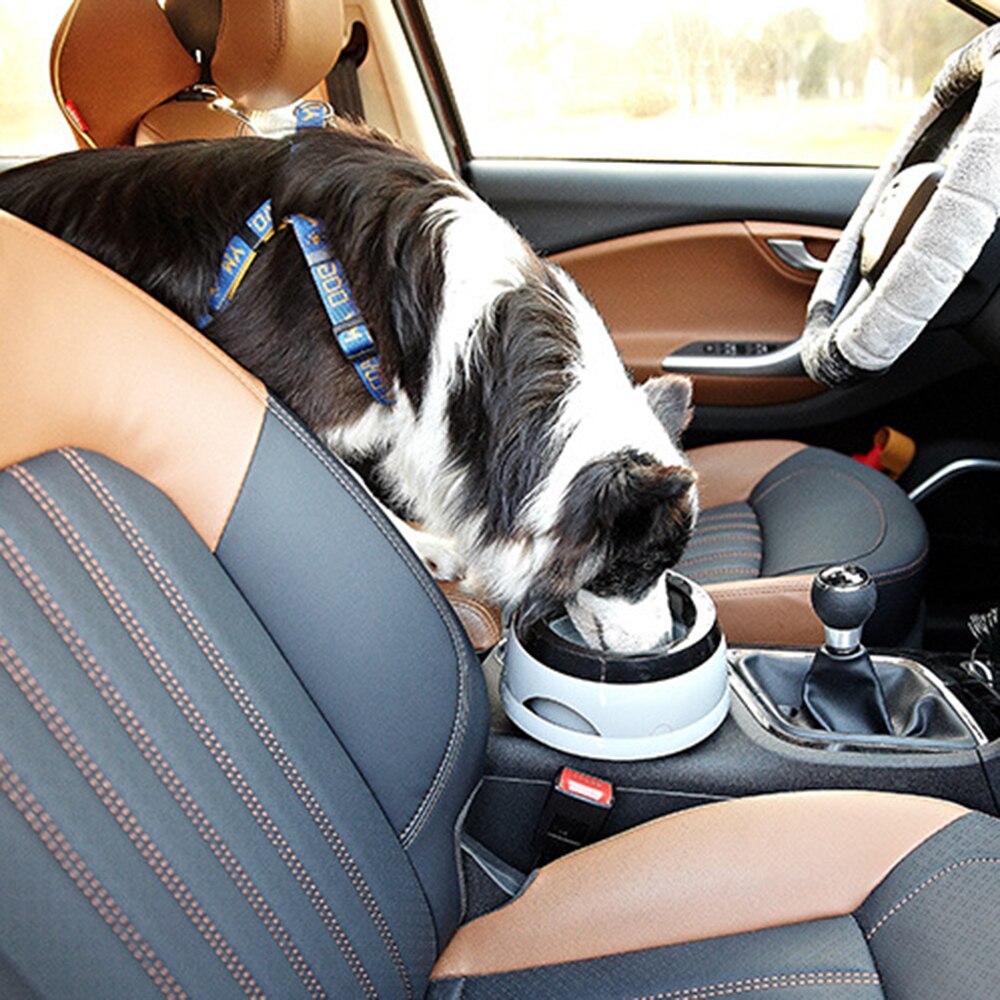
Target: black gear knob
[843,597]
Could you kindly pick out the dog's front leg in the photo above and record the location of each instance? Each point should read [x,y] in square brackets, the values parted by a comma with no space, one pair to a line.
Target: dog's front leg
[438,552]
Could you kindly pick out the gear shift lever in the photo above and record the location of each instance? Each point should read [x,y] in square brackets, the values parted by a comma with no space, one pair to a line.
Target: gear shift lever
[841,689]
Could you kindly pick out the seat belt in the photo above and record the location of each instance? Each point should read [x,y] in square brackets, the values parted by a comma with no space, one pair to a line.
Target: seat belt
[342,87]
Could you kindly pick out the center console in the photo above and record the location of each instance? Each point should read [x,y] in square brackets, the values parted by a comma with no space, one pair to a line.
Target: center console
[839,716]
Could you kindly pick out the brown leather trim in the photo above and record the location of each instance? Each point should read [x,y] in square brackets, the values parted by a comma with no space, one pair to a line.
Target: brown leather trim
[482,621]
[114,60]
[90,361]
[661,290]
[725,868]
[774,609]
[269,53]
[728,472]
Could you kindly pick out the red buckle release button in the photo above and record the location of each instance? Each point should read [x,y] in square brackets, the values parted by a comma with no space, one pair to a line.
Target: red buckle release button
[585,786]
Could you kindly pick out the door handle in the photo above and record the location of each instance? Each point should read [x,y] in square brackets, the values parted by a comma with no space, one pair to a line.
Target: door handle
[794,253]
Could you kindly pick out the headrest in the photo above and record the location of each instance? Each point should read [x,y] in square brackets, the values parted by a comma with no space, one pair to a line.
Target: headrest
[115,60]
[270,53]
[111,61]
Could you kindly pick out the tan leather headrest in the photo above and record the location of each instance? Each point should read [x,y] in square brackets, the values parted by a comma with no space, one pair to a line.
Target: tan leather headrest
[270,53]
[111,61]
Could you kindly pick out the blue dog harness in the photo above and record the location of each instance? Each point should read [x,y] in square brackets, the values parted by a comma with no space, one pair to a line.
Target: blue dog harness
[346,321]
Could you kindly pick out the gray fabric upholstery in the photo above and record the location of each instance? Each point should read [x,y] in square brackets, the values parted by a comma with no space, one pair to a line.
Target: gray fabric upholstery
[727,545]
[180,817]
[173,791]
[946,896]
[815,508]
[930,929]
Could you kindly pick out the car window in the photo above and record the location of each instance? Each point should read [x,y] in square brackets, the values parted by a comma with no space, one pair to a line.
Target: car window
[30,121]
[796,81]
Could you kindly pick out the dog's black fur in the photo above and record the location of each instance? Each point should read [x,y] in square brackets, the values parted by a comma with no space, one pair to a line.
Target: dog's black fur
[161,217]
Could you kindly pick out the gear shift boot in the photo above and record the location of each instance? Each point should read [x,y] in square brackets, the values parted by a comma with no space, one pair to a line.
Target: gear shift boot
[923,714]
[840,694]
[844,694]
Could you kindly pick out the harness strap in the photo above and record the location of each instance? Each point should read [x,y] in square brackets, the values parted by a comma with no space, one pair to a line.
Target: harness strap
[240,253]
[346,322]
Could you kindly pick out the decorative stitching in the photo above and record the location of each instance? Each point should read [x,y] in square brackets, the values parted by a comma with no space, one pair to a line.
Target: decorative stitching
[715,514]
[913,893]
[243,700]
[84,879]
[724,554]
[708,532]
[729,571]
[790,980]
[197,722]
[460,718]
[163,770]
[124,817]
[914,566]
[728,536]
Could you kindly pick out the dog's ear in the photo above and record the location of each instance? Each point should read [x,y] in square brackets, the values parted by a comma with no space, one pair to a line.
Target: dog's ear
[669,397]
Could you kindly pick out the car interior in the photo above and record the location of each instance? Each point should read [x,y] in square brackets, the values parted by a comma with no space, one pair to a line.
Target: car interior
[248,745]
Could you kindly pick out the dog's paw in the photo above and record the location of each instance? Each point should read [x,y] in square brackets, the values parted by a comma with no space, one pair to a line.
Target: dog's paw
[438,553]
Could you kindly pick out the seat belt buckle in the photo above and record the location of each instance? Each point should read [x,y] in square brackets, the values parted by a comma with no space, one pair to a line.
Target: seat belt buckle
[574,814]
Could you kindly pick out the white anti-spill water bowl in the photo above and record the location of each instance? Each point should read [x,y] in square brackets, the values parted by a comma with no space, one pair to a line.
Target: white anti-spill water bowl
[615,706]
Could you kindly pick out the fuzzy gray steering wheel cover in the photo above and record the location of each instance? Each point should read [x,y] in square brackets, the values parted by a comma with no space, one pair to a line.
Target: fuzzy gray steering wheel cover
[846,342]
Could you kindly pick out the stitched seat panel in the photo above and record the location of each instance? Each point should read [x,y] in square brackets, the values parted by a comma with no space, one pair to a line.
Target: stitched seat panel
[168,783]
[370,635]
[819,507]
[946,896]
[726,545]
[813,509]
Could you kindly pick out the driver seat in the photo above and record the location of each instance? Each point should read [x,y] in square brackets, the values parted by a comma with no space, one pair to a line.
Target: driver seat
[240,727]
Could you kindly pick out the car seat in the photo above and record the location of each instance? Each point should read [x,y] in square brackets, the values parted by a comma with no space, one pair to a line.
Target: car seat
[240,726]
[122,75]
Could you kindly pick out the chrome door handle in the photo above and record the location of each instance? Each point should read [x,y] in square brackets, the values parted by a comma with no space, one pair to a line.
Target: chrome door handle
[794,253]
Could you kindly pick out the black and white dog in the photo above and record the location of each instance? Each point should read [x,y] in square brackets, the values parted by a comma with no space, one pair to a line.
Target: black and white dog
[516,432]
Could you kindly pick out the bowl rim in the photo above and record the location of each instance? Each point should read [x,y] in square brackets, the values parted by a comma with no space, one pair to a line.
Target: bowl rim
[537,640]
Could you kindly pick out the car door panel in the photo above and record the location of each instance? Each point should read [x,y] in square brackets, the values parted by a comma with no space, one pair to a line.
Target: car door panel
[562,204]
[718,284]
[645,242]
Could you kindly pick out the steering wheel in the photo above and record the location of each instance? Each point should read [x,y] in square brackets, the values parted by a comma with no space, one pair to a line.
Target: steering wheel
[919,228]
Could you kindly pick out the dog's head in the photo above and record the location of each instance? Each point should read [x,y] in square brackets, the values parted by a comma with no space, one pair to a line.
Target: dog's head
[624,519]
